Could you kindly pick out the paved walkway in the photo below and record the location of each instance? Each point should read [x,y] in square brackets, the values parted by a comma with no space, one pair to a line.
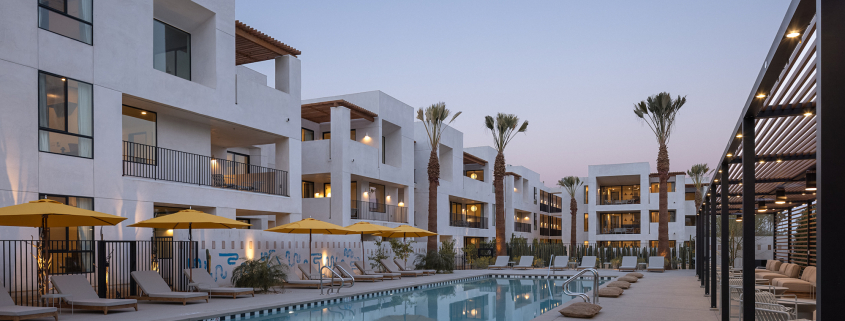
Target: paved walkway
[673,295]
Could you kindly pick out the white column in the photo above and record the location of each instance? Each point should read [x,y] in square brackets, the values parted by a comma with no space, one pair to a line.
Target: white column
[341,200]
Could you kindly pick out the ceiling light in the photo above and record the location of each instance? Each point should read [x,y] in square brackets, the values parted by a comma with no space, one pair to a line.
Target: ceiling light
[730,155]
[810,181]
[778,160]
[780,195]
[793,34]
[808,112]
[761,95]
[143,113]
[720,171]
[738,135]
[762,161]
[739,218]
[63,79]
[761,206]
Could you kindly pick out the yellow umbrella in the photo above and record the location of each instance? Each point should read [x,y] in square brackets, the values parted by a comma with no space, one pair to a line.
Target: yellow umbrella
[46,213]
[367,228]
[190,219]
[406,231]
[310,226]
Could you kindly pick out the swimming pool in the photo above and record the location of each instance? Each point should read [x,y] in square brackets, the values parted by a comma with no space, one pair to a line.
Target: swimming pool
[517,299]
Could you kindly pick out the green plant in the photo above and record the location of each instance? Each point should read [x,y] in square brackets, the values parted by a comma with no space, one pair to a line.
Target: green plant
[402,250]
[482,262]
[504,128]
[615,262]
[379,254]
[260,274]
[539,262]
[442,260]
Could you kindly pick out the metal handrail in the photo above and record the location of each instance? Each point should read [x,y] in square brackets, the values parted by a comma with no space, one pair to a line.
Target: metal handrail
[331,284]
[551,263]
[584,295]
[345,272]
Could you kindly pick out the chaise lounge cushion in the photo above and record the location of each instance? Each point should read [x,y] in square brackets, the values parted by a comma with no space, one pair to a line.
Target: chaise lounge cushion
[81,293]
[629,279]
[619,284]
[803,285]
[580,310]
[635,274]
[19,311]
[612,292]
[154,286]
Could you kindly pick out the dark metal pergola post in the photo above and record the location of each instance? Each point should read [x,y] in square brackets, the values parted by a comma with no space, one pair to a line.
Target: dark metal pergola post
[748,212]
[726,264]
[699,235]
[713,292]
[705,214]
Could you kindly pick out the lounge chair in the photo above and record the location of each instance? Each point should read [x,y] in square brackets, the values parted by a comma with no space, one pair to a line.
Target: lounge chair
[10,311]
[310,274]
[559,263]
[656,263]
[629,263]
[391,267]
[525,262]
[82,295]
[806,284]
[156,289]
[202,281]
[501,263]
[346,271]
[587,262]
[291,282]
[365,271]
[402,267]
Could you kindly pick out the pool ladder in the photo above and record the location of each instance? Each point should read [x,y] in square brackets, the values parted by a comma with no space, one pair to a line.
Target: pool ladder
[584,295]
[331,284]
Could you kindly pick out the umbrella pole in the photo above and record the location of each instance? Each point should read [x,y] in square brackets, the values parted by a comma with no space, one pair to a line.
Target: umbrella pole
[309,254]
[363,253]
[190,252]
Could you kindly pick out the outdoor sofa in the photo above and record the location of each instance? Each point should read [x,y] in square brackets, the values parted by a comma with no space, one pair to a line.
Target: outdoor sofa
[525,262]
[587,262]
[559,263]
[656,264]
[501,263]
[806,284]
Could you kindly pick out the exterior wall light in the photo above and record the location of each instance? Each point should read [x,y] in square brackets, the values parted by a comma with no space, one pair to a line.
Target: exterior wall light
[401,204]
[738,135]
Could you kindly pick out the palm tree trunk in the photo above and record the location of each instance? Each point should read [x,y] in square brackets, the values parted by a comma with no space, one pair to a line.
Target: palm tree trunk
[573,210]
[663,225]
[499,186]
[433,182]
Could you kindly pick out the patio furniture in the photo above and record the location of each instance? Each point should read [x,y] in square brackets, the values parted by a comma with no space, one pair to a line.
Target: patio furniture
[205,283]
[786,270]
[84,297]
[655,263]
[305,284]
[501,263]
[642,266]
[366,271]
[10,311]
[316,276]
[587,262]
[156,289]
[559,263]
[55,299]
[777,290]
[629,263]
[771,266]
[572,265]
[346,271]
[806,284]
[391,267]
[402,267]
[525,262]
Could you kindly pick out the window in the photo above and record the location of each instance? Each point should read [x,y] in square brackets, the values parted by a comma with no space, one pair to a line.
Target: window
[586,194]
[535,195]
[353,135]
[139,135]
[619,223]
[69,18]
[475,174]
[307,135]
[237,163]
[535,221]
[72,246]
[307,189]
[689,196]
[620,194]
[689,220]
[586,222]
[327,189]
[655,187]
[171,50]
[619,243]
[383,150]
[328,135]
[65,116]
[655,215]
[653,243]
[244,220]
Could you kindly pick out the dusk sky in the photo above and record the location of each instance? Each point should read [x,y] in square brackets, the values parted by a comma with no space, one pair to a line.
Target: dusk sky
[573,69]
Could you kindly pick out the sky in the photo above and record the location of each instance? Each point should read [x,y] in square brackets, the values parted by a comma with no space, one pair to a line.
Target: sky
[573,69]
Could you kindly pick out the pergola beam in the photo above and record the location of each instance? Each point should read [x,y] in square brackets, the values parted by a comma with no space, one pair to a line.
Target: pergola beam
[775,158]
[787,110]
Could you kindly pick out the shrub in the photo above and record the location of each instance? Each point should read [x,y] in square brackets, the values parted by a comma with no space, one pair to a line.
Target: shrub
[616,262]
[379,254]
[443,260]
[482,262]
[260,274]
[402,250]
[538,262]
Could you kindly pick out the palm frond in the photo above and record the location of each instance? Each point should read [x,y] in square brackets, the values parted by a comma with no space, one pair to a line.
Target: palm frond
[504,128]
[433,118]
[571,184]
[659,113]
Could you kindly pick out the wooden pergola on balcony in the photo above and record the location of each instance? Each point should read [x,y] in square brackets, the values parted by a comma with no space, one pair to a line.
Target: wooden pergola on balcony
[320,112]
[785,157]
[253,46]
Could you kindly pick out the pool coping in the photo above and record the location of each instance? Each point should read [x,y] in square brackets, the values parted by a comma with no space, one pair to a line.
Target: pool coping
[250,313]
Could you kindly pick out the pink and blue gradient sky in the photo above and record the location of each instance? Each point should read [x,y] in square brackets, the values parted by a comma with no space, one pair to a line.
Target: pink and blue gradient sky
[574,69]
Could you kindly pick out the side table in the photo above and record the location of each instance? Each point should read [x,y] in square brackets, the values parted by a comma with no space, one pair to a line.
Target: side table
[51,299]
[642,266]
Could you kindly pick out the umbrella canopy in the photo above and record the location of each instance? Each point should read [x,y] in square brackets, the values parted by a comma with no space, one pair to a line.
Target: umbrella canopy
[406,231]
[367,228]
[310,226]
[49,213]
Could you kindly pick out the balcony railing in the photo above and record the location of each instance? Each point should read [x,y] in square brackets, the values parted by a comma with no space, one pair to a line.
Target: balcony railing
[544,207]
[362,210]
[619,202]
[470,221]
[625,229]
[521,227]
[164,164]
[545,231]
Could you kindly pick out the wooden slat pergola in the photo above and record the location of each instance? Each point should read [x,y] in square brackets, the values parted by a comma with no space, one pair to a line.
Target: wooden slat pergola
[320,112]
[472,159]
[253,46]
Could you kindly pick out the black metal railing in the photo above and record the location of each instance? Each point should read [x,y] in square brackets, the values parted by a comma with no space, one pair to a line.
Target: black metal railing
[158,163]
[544,207]
[622,229]
[554,209]
[521,227]
[546,231]
[105,264]
[470,221]
[618,202]
[362,210]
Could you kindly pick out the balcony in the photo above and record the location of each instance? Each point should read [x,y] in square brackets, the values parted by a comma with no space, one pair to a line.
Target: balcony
[545,231]
[164,164]
[522,227]
[362,210]
[618,201]
[469,221]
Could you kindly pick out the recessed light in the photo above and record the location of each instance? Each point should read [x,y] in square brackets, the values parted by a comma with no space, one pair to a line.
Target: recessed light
[143,113]
[793,34]
[761,95]
[738,135]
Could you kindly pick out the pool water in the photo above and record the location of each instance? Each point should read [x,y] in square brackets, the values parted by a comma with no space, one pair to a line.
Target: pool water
[486,299]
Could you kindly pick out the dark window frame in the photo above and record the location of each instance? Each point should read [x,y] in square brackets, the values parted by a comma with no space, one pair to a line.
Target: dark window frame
[248,159]
[190,53]
[672,214]
[310,195]
[46,7]
[383,150]
[65,132]
[324,189]
[307,130]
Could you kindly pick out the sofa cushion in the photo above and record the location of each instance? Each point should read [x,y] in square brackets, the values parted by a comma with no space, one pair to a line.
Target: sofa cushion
[795,285]
[629,279]
[612,292]
[619,284]
[809,274]
[635,274]
[793,271]
[580,310]
[775,265]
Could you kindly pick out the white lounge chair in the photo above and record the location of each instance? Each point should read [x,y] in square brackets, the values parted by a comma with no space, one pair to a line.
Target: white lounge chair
[587,262]
[501,263]
[392,268]
[82,295]
[10,311]
[346,271]
[525,262]
[203,281]
[655,263]
[402,267]
[367,271]
[629,263]
[314,276]
[559,263]
[156,289]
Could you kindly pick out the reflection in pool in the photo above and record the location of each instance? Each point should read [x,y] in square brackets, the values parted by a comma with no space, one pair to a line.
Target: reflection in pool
[487,299]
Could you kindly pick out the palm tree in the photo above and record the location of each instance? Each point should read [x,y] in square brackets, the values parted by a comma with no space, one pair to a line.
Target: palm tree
[504,129]
[571,184]
[433,118]
[659,113]
[696,173]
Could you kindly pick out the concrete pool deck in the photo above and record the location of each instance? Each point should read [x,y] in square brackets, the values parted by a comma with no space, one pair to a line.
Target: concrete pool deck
[658,296]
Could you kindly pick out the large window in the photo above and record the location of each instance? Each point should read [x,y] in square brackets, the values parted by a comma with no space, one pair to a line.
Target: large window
[65,116]
[376,198]
[307,135]
[307,189]
[689,220]
[620,194]
[621,223]
[619,243]
[654,216]
[586,222]
[71,248]
[475,174]
[586,194]
[328,135]
[171,50]
[653,243]
[655,187]
[69,18]
[238,163]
